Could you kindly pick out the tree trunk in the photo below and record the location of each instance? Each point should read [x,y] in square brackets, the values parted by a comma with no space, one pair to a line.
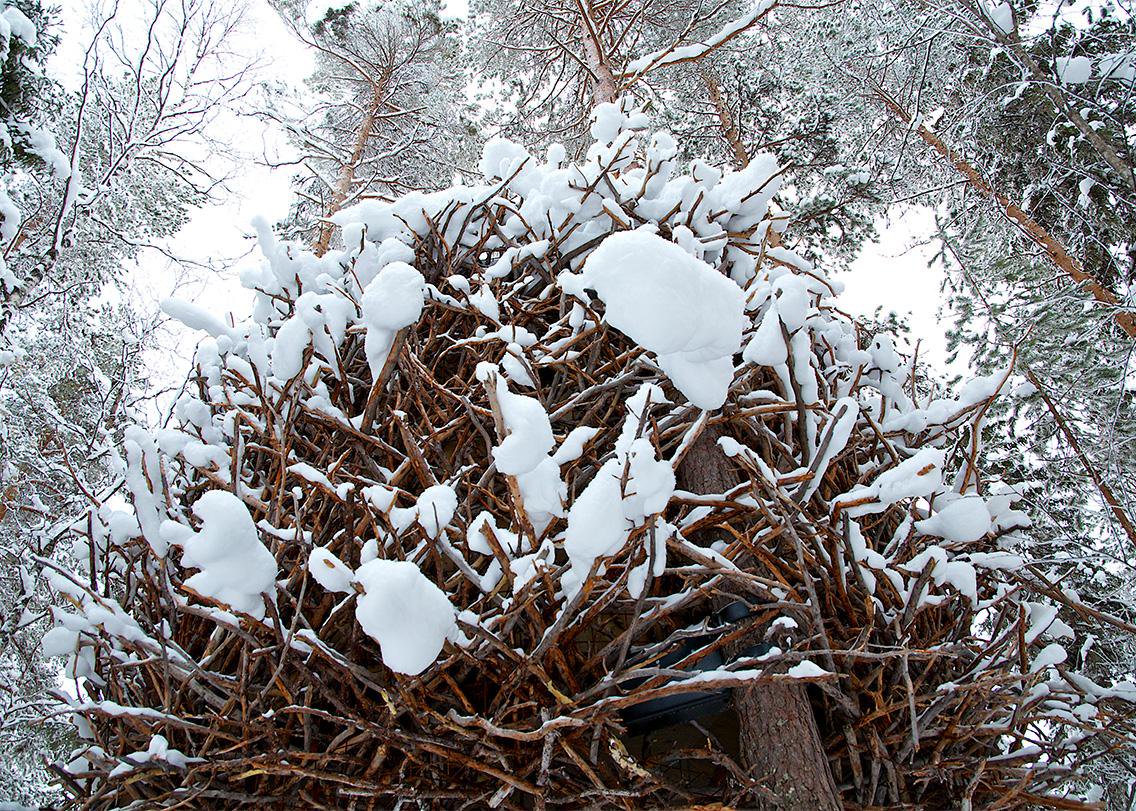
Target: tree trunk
[780,744]
[725,120]
[347,176]
[603,81]
[781,747]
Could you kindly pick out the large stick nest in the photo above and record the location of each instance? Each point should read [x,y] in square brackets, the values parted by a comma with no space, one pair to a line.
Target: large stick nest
[919,702]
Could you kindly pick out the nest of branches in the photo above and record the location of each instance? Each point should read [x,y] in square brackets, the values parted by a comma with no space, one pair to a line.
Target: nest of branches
[924,693]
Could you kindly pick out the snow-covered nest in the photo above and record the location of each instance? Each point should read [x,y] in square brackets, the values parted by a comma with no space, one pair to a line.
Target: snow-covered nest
[432,516]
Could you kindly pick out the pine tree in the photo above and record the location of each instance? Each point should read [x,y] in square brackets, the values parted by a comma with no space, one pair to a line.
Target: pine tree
[389,119]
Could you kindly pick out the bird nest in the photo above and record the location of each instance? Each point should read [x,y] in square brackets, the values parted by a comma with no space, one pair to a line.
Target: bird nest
[782,554]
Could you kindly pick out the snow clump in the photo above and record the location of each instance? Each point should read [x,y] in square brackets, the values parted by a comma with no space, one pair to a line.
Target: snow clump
[235,567]
[672,304]
[404,612]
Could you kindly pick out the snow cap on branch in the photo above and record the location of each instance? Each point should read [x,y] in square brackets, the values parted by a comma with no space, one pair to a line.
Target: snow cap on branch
[670,303]
[234,566]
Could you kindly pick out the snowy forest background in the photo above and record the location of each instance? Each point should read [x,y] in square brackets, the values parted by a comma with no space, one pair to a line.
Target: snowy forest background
[969,165]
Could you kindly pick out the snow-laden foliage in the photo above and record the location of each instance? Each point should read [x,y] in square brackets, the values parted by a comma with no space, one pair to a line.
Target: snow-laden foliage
[91,177]
[729,81]
[379,116]
[482,429]
[29,159]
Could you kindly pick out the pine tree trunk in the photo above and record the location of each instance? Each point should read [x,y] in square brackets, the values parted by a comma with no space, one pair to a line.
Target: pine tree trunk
[1026,224]
[780,744]
[725,120]
[603,81]
[781,747]
[347,176]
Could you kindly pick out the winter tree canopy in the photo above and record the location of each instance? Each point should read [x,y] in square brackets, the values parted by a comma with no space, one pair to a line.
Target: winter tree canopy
[529,455]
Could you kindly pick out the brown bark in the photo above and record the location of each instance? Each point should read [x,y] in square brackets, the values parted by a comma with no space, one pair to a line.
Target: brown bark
[1026,224]
[781,747]
[9,495]
[725,119]
[780,743]
[347,176]
[603,80]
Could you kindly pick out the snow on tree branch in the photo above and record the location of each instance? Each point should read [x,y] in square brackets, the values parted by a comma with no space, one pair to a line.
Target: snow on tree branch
[474,444]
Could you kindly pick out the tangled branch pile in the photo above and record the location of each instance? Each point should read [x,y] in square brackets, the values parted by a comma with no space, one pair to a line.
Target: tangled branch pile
[527,456]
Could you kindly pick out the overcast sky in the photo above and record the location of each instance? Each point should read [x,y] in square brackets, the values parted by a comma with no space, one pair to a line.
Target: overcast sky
[894,272]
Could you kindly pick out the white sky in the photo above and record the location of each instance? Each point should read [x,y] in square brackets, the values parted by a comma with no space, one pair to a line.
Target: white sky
[218,235]
[895,273]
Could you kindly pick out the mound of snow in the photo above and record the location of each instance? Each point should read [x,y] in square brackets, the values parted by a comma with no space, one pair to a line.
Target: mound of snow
[235,567]
[961,521]
[405,613]
[393,300]
[672,304]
